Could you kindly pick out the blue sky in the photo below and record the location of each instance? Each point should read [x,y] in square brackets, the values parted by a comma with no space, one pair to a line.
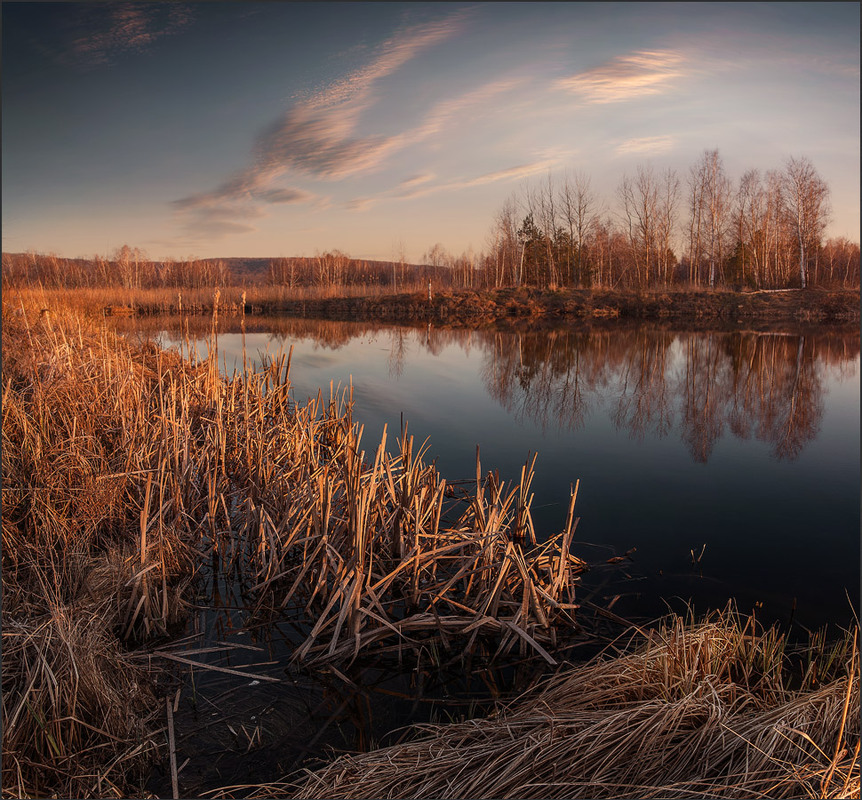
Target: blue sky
[267,129]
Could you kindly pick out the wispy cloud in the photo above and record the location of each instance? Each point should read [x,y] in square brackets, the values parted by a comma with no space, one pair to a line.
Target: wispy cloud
[509,174]
[417,180]
[361,203]
[317,136]
[454,108]
[96,35]
[643,73]
[216,221]
[405,192]
[647,145]
[289,196]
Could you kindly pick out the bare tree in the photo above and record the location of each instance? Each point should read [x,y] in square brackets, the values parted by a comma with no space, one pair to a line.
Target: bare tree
[506,224]
[719,214]
[580,208]
[775,229]
[639,198]
[696,206]
[668,199]
[709,214]
[751,224]
[806,200]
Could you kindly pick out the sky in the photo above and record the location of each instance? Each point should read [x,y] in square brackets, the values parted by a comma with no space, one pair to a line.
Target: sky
[230,129]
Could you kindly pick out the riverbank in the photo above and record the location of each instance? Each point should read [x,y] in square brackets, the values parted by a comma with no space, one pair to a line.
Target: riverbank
[497,308]
[514,306]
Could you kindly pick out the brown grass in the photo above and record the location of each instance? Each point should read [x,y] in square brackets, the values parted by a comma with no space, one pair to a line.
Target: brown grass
[116,300]
[96,551]
[79,716]
[694,711]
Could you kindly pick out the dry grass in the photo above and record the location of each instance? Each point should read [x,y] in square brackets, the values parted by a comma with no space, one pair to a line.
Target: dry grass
[79,716]
[713,710]
[97,547]
[117,300]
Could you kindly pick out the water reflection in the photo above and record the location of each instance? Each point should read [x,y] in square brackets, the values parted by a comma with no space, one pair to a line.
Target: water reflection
[762,385]
[754,385]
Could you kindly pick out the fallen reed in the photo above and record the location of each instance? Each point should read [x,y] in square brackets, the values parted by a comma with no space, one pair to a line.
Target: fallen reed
[718,709]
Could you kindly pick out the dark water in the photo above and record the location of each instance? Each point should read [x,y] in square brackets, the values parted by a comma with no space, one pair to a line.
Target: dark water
[728,462]
[745,443]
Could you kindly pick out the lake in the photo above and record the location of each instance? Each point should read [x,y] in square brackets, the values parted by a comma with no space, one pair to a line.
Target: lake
[720,464]
[728,461]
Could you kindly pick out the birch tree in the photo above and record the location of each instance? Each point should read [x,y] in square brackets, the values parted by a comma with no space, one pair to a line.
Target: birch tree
[668,198]
[579,207]
[806,200]
[640,201]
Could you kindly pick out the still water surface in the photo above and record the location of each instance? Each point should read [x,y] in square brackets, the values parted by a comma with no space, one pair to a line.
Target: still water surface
[739,448]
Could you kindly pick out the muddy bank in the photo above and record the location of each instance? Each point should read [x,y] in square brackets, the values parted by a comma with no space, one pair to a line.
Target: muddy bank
[474,308]
[504,307]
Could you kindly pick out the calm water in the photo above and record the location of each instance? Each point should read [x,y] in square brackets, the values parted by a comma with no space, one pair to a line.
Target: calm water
[742,447]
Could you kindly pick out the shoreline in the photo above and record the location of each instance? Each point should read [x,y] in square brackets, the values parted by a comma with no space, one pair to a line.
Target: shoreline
[513,307]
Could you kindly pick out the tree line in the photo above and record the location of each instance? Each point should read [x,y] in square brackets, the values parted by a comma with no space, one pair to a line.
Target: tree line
[131,268]
[659,229]
[126,267]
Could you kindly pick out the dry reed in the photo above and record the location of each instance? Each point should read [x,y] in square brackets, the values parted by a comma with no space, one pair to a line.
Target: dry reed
[126,468]
[79,716]
[711,710]
[96,551]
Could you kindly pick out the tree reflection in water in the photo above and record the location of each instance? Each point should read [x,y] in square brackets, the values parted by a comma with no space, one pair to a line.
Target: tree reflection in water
[763,385]
[769,386]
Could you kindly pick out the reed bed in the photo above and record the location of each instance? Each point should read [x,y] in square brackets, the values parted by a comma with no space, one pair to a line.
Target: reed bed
[718,709]
[236,300]
[127,469]
[98,547]
[377,557]
[80,718]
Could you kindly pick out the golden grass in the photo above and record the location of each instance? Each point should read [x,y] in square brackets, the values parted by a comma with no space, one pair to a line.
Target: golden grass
[116,300]
[96,551]
[693,711]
